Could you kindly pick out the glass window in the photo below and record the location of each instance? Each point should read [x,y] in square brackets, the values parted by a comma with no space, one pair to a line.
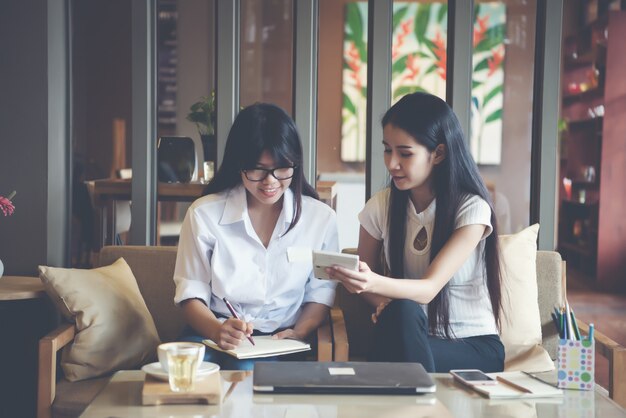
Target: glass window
[419,48]
[502,94]
[185,100]
[342,95]
[101,117]
[418,64]
[266,60]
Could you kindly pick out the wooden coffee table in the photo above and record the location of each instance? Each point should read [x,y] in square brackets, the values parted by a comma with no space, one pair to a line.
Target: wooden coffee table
[122,398]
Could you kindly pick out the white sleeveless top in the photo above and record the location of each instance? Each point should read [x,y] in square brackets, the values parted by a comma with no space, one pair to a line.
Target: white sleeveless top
[470,306]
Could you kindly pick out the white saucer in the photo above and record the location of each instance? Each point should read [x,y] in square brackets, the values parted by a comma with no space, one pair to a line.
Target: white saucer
[155,370]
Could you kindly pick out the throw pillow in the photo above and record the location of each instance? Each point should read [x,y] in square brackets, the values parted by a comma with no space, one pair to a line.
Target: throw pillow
[521,323]
[114,329]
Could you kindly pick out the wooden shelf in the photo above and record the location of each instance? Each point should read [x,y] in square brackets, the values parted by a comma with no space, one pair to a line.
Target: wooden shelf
[587,204]
[587,94]
[585,122]
[586,59]
[599,224]
[591,59]
[585,184]
[583,250]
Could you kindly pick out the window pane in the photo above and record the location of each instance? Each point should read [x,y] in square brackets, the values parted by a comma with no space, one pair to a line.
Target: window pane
[342,78]
[502,93]
[101,115]
[418,50]
[185,76]
[266,61]
[418,64]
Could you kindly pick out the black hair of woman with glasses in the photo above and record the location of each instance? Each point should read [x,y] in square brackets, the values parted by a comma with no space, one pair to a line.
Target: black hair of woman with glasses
[235,242]
[258,128]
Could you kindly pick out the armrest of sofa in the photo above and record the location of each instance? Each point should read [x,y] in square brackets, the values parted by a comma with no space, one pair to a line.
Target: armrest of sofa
[48,348]
[616,355]
[325,342]
[332,339]
[340,335]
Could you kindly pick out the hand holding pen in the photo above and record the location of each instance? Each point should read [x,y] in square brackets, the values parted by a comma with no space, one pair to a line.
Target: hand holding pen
[234,314]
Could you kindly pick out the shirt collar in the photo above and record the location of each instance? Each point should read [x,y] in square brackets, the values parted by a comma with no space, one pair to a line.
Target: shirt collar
[236,206]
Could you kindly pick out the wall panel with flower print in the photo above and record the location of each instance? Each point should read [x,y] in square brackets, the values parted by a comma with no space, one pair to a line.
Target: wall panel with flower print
[488,82]
[419,59]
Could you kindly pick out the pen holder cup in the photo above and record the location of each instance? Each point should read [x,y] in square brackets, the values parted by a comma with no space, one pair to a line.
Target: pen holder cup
[576,364]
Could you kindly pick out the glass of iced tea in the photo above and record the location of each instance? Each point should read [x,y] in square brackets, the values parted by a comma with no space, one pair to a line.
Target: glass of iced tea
[181,362]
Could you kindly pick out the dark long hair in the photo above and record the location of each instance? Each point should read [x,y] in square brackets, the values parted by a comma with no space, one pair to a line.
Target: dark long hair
[258,128]
[431,122]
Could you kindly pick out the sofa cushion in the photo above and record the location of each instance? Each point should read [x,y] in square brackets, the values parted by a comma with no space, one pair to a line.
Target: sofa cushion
[521,324]
[153,268]
[550,288]
[114,329]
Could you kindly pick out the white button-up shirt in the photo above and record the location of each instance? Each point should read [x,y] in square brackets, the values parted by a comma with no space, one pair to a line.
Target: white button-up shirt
[220,255]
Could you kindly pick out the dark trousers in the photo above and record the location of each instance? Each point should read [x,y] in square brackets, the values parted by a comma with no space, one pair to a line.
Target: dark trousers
[401,335]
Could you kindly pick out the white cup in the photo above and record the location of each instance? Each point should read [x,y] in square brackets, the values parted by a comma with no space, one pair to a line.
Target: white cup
[163,348]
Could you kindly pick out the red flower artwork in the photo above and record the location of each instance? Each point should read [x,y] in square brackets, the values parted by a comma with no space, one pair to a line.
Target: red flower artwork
[355,63]
[405,29]
[496,60]
[479,32]
[442,56]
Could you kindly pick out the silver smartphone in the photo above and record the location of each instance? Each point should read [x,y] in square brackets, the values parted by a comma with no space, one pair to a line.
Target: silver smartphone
[323,259]
[473,377]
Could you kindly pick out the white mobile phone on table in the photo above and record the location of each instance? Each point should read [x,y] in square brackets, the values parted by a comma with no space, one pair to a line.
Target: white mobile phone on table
[323,259]
[473,377]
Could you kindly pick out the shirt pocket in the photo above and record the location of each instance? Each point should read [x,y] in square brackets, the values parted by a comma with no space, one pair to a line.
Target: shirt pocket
[243,281]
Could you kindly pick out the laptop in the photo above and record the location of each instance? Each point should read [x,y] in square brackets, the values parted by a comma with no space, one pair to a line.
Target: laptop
[352,377]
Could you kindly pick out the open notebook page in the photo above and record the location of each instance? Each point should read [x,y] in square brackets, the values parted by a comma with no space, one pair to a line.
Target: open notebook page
[533,388]
[265,346]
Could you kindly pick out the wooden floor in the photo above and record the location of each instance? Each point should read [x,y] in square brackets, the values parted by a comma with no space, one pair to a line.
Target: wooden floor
[607,311]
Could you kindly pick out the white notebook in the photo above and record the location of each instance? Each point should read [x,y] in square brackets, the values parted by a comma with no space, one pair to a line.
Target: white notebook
[516,385]
[265,346]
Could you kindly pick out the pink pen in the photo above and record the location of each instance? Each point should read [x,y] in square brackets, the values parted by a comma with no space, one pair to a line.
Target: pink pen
[232,311]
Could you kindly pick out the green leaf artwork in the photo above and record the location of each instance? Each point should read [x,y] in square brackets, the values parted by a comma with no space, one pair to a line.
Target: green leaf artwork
[419,59]
[488,82]
[418,63]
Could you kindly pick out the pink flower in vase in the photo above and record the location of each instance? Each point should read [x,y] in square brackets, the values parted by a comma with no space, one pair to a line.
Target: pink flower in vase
[6,206]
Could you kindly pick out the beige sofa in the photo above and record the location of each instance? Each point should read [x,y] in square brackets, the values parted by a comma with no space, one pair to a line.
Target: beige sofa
[549,273]
[551,279]
[153,268]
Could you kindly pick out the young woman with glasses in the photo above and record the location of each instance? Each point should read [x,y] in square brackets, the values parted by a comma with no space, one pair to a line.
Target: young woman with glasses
[235,242]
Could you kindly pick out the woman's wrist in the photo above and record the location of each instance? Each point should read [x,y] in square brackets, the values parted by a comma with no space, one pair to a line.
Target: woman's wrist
[212,329]
[301,332]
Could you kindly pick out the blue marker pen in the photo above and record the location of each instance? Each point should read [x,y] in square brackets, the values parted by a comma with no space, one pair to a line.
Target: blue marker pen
[590,332]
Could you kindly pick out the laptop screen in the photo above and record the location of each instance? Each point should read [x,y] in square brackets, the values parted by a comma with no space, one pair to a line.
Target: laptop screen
[341,377]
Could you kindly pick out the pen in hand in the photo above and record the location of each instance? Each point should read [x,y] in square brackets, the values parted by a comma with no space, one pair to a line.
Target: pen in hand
[234,314]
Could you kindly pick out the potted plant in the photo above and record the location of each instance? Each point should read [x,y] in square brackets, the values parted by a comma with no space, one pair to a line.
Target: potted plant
[202,113]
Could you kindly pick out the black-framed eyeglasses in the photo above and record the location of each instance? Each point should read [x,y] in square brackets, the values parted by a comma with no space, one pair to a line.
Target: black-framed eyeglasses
[279,173]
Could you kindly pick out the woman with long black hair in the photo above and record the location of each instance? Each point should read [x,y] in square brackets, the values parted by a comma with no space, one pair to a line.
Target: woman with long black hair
[234,241]
[437,227]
